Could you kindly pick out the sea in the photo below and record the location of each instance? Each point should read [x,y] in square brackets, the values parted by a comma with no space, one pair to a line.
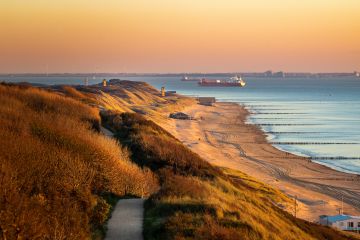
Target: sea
[314,117]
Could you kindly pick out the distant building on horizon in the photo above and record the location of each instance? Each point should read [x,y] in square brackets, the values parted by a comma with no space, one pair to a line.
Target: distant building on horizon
[280,74]
[268,73]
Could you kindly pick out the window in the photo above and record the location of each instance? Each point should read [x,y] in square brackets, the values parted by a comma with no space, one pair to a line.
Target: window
[350,224]
[358,224]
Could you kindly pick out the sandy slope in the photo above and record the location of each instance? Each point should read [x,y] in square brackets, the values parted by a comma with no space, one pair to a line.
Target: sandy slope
[220,136]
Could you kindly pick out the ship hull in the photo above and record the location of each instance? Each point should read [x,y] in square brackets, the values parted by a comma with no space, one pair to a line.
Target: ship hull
[234,82]
[220,84]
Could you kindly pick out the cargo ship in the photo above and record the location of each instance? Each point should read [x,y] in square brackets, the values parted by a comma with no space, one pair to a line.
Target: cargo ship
[233,82]
[186,78]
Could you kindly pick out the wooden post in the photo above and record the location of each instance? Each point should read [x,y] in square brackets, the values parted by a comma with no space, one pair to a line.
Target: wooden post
[342,204]
[295,205]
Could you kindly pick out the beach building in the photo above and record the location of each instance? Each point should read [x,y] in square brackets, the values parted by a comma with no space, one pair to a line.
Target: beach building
[170,93]
[208,101]
[341,222]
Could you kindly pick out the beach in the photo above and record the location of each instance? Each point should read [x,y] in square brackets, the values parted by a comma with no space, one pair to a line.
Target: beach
[221,136]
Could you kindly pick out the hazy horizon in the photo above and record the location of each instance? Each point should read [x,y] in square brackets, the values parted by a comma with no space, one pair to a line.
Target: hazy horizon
[179,36]
[164,73]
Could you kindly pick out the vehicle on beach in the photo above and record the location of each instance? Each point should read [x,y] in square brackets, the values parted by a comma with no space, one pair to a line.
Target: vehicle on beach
[232,82]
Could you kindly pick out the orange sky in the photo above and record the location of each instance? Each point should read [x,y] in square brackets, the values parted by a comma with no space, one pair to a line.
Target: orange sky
[179,35]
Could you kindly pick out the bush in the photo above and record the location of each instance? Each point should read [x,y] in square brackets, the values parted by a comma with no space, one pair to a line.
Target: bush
[54,168]
[153,147]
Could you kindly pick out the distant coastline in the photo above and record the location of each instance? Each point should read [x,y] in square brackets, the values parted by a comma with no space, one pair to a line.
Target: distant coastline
[271,74]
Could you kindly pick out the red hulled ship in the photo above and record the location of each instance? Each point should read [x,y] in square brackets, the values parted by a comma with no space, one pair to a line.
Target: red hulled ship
[233,82]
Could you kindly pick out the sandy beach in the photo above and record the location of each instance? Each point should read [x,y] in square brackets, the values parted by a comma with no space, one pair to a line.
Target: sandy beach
[221,136]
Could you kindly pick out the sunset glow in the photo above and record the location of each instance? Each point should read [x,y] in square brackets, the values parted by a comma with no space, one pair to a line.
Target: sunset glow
[179,35]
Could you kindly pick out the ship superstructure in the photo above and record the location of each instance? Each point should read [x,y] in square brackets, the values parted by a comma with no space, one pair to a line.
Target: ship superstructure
[232,82]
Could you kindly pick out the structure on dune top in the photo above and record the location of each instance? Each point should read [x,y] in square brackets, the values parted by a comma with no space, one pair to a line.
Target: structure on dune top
[341,222]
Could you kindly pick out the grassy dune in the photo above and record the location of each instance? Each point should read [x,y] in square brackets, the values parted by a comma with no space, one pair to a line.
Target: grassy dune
[58,174]
[56,171]
[129,96]
[199,201]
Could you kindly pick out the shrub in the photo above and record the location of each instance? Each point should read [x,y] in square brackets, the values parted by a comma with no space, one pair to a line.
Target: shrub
[155,148]
[54,168]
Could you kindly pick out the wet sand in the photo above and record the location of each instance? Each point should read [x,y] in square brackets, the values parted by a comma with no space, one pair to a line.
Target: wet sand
[220,135]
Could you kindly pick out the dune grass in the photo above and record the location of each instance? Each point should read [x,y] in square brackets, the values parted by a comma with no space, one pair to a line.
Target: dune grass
[57,173]
[130,96]
[199,201]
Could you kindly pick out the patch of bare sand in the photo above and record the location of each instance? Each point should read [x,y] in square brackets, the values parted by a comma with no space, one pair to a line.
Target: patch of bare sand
[221,136]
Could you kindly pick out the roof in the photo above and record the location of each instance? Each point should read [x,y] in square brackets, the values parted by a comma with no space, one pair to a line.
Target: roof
[340,217]
[207,98]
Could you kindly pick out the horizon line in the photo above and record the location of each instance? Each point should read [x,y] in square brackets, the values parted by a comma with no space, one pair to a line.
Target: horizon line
[164,73]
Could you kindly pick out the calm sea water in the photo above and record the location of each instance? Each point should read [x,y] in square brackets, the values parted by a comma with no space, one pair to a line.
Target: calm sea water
[315,117]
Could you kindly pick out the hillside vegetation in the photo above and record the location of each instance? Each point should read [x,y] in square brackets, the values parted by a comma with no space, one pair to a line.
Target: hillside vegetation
[57,172]
[128,96]
[199,201]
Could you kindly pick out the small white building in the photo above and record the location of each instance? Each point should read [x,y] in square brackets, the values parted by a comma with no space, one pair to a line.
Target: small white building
[341,222]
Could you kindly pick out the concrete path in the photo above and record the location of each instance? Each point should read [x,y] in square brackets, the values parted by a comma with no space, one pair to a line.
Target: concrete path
[106,131]
[126,222]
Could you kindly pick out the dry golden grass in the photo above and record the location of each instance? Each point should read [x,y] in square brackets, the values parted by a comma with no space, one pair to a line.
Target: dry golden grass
[129,96]
[72,92]
[199,201]
[55,169]
[114,103]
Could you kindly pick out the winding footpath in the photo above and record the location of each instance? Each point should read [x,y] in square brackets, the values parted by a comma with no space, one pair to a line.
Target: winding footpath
[126,222]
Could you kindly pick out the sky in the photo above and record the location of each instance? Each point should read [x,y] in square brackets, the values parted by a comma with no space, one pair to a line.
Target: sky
[179,36]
